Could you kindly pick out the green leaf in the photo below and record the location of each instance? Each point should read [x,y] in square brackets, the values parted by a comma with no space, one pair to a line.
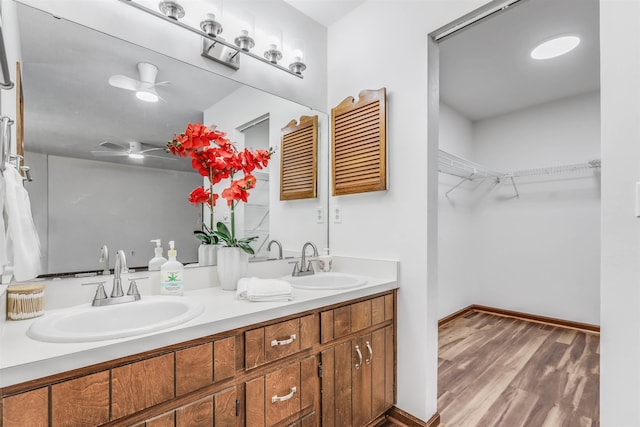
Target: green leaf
[222,228]
[248,249]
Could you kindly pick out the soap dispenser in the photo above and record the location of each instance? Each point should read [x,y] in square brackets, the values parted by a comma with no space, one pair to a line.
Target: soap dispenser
[156,262]
[171,274]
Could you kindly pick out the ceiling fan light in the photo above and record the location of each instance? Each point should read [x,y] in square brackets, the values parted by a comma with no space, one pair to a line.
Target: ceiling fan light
[554,47]
[147,96]
[136,156]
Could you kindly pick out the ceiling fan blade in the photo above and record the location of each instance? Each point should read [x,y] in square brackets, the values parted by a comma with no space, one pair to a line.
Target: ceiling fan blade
[109,153]
[164,83]
[152,156]
[146,150]
[124,82]
[113,146]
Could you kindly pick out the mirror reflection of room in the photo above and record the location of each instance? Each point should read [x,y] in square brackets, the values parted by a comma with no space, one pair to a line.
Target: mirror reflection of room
[96,149]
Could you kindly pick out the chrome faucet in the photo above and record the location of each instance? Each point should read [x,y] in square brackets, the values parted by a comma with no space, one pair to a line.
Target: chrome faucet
[104,259]
[306,269]
[119,268]
[117,295]
[279,247]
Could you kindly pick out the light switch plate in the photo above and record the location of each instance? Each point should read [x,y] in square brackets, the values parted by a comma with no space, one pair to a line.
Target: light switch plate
[319,215]
[337,215]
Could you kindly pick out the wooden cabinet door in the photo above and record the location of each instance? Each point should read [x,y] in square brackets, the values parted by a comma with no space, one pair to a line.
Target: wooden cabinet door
[361,380]
[358,379]
[337,385]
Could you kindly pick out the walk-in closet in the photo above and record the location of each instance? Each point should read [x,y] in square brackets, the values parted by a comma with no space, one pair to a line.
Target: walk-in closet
[519,209]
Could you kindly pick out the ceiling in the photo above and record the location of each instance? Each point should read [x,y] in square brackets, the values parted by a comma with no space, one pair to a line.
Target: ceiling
[486,70]
[325,12]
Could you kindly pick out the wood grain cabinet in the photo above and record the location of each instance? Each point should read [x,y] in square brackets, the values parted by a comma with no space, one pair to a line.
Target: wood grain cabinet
[358,375]
[333,366]
[282,395]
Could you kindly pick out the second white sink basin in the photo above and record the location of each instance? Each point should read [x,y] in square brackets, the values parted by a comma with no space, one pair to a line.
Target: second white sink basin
[322,281]
[86,323]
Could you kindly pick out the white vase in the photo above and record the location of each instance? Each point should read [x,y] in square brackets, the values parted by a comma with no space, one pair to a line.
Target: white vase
[233,264]
[207,254]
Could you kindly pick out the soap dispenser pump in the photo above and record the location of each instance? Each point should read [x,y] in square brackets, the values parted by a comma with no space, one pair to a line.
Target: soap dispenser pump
[171,274]
[156,262]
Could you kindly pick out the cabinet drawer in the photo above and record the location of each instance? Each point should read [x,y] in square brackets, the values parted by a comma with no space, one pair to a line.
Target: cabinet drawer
[282,395]
[342,321]
[273,342]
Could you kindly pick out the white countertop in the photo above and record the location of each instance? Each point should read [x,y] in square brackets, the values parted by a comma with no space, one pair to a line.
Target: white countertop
[23,358]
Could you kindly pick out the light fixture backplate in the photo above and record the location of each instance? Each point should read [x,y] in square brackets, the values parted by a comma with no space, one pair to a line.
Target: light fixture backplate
[220,53]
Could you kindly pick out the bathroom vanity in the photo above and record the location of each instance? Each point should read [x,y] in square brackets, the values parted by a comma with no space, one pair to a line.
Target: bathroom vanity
[325,358]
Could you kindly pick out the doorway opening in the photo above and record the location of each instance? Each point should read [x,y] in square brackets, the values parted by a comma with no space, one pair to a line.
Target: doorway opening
[518,214]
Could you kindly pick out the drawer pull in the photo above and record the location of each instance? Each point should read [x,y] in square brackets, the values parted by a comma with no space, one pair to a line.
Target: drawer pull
[359,357]
[276,343]
[370,350]
[277,398]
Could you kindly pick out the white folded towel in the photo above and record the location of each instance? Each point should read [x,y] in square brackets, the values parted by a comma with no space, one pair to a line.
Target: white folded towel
[256,289]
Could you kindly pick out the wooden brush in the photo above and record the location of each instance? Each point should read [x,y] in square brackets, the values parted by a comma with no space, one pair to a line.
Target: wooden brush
[25,301]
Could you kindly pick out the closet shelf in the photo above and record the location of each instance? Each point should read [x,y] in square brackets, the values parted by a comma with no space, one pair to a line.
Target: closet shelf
[468,171]
[454,165]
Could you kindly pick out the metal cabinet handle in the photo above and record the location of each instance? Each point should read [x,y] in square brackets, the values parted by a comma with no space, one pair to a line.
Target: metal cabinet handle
[359,364]
[277,398]
[370,350]
[276,343]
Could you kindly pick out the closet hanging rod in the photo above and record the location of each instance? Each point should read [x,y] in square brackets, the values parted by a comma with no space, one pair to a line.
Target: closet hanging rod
[551,170]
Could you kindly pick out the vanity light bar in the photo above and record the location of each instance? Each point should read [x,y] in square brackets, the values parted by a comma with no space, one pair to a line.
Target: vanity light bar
[231,56]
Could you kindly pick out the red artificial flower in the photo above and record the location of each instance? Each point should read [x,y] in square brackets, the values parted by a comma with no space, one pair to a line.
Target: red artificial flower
[202,195]
[238,189]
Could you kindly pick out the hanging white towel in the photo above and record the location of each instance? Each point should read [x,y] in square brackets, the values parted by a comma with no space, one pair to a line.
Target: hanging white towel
[255,289]
[23,245]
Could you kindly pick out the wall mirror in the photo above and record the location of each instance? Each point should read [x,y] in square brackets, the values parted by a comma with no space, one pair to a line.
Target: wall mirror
[79,131]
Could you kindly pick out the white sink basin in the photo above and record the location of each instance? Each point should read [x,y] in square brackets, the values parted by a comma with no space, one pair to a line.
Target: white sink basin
[86,323]
[322,281]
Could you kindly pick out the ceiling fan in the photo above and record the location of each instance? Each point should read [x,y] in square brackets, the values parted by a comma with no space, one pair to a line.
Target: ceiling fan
[145,88]
[135,150]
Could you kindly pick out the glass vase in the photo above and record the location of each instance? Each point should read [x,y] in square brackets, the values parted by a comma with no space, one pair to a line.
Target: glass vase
[233,264]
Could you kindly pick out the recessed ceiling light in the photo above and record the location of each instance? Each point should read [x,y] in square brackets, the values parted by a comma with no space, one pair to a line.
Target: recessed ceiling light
[555,46]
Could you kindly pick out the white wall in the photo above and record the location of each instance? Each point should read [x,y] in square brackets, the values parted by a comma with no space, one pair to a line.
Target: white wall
[399,223]
[540,253]
[456,250]
[620,274]
[89,203]
[125,22]
[292,222]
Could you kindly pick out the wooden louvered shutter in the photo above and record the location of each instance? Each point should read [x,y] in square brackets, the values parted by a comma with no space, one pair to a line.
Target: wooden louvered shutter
[358,149]
[299,159]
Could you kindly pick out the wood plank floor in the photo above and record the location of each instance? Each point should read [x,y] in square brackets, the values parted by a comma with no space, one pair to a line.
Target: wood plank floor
[502,372]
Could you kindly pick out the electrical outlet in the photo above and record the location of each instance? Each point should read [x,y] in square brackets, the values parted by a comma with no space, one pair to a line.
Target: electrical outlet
[319,215]
[337,215]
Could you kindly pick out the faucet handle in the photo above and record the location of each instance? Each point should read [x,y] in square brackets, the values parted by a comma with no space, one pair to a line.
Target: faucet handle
[133,287]
[100,294]
[296,268]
